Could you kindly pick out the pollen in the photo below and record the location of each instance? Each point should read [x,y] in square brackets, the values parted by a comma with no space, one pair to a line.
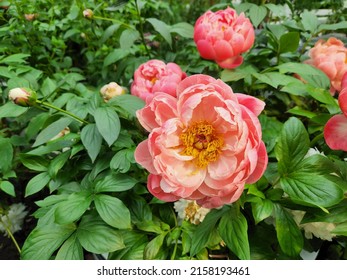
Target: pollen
[201,141]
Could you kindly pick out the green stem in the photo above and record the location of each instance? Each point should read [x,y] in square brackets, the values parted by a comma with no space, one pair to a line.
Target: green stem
[48,105]
[141,30]
[13,239]
[316,139]
[114,20]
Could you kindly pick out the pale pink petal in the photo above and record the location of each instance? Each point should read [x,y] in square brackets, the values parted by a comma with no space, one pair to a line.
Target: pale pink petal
[153,185]
[335,133]
[143,157]
[262,161]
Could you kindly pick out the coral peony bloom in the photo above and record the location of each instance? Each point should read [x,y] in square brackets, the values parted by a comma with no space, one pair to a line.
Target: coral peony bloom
[335,130]
[156,76]
[223,36]
[205,145]
[331,57]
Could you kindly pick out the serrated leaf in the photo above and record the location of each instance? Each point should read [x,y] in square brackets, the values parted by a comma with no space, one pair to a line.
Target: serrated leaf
[72,208]
[92,140]
[288,232]
[37,183]
[97,237]
[44,240]
[113,211]
[108,124]
[233,230]
[292,145]
[51,131]
[311,189]
[162,28]
[70,250]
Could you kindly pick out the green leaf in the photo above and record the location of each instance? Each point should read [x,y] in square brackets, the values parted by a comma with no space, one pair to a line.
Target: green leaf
[114,56]
[262,210]
[51,131]
[289,42]
[183,29]
[161,28]
[275,79]
[301,112]
[288,232]
[43,241]
[232,75]
[92,140]
[97,237]
[71,249]
[7,187]
[37,183]
[121,161]
[57,163]
[337,214]
[340,229]
[135,244]
[271,128]
[6,154]
[140,209]
[11,110]
[311,189]
[113,211]
[233,230]
[127,38]
[292,145]
[312,75]
[203,231]
[257,14]
[108,33]
[127,102]
[72,208]
[115,183]
[333,26]
[310,21]
[18,58]
[48,87]
[153,247]
[36,163]
[108,124]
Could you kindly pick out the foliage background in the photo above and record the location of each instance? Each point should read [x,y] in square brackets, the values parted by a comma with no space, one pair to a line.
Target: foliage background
[84,191]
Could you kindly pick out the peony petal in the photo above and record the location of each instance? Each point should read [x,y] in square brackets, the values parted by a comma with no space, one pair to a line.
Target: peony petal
[335,133]
[143,157]
[252,103]
[231,62]
[262,162]
[223,50]
[154,183]
[343,101]
[206,49]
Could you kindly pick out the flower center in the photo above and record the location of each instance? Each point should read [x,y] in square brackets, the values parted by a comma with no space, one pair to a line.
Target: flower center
[201,141]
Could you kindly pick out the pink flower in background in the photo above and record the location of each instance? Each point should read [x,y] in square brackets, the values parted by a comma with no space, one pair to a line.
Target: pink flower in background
[205,145]
[331,57]
[156,76]
[223,36]
[335,130]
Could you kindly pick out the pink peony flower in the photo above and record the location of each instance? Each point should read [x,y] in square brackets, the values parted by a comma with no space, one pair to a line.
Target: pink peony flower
[156,76]
[223,36]
[335,130]
[205,145]
[331,57]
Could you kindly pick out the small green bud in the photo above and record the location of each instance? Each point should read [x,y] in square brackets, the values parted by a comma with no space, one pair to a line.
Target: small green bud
[23,96]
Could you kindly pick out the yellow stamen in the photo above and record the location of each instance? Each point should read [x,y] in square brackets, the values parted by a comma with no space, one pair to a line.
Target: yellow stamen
[201,141]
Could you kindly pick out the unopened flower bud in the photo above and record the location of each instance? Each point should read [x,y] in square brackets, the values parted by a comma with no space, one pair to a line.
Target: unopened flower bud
[88,13]
[111,90]
[23,96]
[30,17]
